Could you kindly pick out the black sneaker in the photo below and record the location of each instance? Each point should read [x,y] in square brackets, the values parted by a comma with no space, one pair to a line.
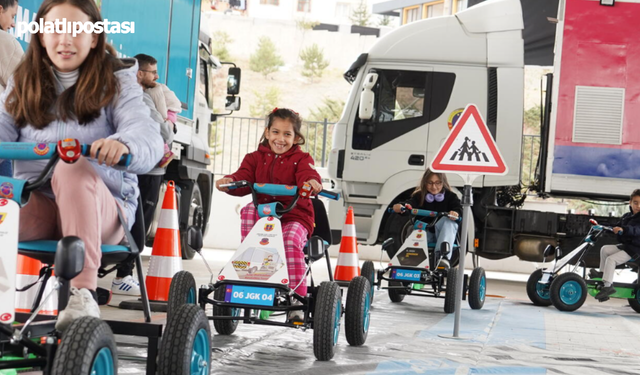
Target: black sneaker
[593,274]
[104,296]
[605,293]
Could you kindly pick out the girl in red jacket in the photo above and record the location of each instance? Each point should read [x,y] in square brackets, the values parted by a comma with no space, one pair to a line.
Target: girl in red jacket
[279,160]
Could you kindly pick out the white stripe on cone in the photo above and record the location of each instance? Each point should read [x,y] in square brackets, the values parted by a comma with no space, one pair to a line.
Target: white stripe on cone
[348,259]
[24,300]
[160,266]
[168,219]
[349,230]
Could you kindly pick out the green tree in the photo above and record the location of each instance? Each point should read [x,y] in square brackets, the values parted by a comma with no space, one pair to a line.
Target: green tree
[330,109]
[303,24]
[314,62]
[360,15]
[532,120]
[314,129]
[266,59]
[264,102]
[220,39]
[384,21]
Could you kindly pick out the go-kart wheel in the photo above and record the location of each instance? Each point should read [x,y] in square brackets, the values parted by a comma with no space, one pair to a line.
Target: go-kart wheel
[396,295]
[450,291]
[477,288]
[87,347]
[635,302]
[568,292]
[369,273]
[326,320]
[186,343]
[182,291]
[357,311]
[538,293]
[224,327]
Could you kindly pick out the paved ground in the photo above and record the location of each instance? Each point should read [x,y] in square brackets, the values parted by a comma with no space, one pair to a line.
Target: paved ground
[508,336]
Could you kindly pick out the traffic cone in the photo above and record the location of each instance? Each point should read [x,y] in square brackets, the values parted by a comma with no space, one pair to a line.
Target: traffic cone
[348,264]
[166,257]
[28,272]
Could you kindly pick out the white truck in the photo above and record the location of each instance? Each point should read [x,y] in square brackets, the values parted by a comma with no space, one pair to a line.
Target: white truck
[421,75]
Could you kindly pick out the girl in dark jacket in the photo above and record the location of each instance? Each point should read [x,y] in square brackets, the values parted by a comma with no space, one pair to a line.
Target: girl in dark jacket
[434,194]
[279,160]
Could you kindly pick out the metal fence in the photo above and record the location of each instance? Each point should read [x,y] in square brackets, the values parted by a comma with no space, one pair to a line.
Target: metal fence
[234,137]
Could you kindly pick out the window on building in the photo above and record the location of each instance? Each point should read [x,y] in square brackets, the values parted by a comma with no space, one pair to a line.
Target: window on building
[343,10]
[270,2]
[460,5]
[411,14]
[304,6]
[435,9]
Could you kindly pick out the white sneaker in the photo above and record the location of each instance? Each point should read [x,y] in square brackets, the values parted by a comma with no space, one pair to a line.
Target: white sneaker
[295,315]
[81,303]
[127,286]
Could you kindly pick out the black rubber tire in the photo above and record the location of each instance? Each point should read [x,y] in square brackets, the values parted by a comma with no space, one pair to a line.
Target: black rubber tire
[398,227]
[324,319]
[395,295]
[556,289]
[181,284]
[80,344]
[532,291]
[175,355]
[450,291]
[192,215]
[223,327]
[635,302]
[369,272]
[357,311]
[476,295]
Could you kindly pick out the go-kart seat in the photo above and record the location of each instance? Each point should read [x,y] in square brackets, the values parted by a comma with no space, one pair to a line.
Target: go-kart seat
[321,232]
[633,263]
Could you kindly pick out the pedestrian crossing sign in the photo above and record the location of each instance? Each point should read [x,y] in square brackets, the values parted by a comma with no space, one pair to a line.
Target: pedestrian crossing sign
[469,148]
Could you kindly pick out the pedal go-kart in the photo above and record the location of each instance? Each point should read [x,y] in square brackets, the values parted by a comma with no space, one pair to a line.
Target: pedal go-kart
[255,282]
[418,269]
[30,342]
[568,291]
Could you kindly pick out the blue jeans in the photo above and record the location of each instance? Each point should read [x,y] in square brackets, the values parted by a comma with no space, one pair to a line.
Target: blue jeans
[6,168]
[446,230]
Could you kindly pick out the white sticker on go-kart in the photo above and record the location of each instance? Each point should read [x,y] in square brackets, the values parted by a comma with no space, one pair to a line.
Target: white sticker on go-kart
[9,221]
[414,251]
[260,257]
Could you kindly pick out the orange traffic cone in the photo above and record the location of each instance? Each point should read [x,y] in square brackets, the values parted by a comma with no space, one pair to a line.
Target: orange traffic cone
[28,271]
[166,258]
[348,264]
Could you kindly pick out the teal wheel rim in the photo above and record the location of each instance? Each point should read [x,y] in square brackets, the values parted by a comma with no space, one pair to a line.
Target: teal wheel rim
[367,312]
[200,355]
[191,297]
[482,288]
[103,363]
[570,292]
[542,290]
[336,323]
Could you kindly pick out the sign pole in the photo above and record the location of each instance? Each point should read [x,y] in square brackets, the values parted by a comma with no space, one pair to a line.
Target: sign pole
[466,216]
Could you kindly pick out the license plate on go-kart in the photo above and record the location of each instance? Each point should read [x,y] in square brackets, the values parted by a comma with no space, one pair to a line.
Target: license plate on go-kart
[250,295]
[409,275]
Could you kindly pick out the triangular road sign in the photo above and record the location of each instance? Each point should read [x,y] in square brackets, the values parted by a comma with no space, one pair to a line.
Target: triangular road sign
[469,148]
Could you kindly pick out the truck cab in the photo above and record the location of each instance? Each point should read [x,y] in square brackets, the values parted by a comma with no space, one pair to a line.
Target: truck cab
[421,76]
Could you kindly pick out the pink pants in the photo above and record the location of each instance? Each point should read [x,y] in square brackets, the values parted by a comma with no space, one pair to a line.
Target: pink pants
[83,207]
[295,237]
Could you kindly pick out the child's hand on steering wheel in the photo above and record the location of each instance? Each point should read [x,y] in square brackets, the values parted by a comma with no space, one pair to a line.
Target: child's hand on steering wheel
[108,151]
[222,181]
[453,215]
[315,186]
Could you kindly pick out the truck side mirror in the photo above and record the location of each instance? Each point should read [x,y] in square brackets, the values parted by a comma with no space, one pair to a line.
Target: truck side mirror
[367,97]
[233,81]
[232,103]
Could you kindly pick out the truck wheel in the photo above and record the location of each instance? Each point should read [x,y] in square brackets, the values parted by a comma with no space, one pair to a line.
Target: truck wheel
[326,320]
[450,291]
[568,292]
[396,295]
[369,273]
[398,227]
[181,292]
[195,217]
[477,288]
[224,327]
[186,343]
[538,293]
[357,311]
[87,347]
